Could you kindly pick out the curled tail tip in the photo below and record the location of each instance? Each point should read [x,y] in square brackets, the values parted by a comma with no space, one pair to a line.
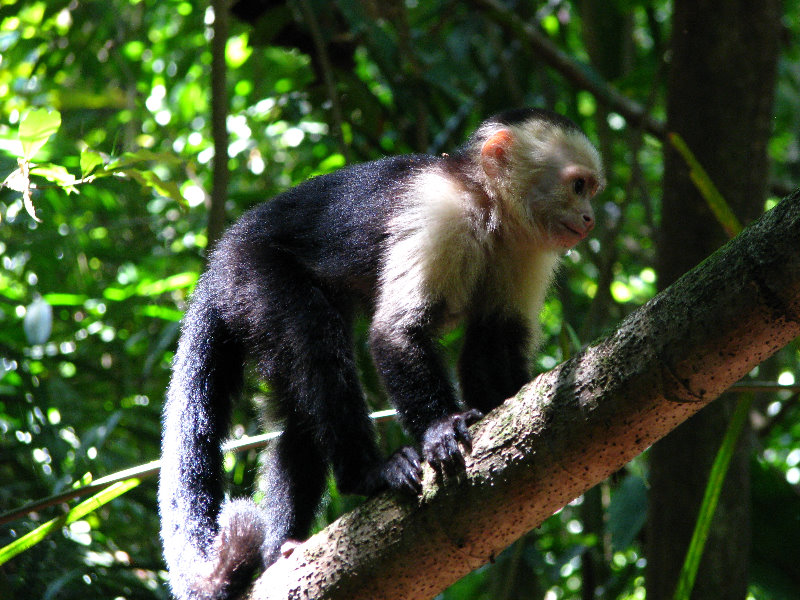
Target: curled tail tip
[236,556]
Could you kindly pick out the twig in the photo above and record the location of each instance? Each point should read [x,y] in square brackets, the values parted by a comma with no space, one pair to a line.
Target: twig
[148,470]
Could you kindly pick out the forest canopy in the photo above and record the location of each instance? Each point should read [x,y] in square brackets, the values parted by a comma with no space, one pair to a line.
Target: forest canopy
[112,115]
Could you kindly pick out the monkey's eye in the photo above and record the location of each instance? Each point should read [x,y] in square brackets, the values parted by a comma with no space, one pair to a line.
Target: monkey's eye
[579,185]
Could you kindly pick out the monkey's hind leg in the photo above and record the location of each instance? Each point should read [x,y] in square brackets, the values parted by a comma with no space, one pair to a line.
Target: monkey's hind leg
[293,483]
[305,350]
[322,386]
[301,341]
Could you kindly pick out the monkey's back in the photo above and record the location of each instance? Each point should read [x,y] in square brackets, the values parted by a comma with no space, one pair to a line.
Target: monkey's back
[334,226]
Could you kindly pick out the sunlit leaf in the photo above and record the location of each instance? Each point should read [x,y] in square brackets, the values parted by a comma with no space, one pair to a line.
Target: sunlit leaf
[152,288]
[161,312]
[168,189]
[35,129]
[57,299]
[57,174]
[29,207]
[174,282]
[237,51]
[17,180]
[716,202]
[131,158]
[331,163]
[90,160]
[81,510]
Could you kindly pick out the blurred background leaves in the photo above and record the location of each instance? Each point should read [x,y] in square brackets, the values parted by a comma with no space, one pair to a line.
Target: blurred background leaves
[91,296]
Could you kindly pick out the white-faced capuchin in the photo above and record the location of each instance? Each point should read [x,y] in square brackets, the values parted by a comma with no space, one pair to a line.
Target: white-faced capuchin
[417,243]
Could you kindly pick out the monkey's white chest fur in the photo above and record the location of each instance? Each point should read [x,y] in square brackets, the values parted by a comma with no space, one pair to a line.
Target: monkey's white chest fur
[447,250]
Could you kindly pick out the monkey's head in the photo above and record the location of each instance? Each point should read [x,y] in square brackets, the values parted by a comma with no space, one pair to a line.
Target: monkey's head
[544,171]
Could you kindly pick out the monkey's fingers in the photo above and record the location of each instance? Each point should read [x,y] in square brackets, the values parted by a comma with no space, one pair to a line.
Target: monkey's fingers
[411,484]
[412,457]
[441,449]
[462,421]
[446,458]
[403,471]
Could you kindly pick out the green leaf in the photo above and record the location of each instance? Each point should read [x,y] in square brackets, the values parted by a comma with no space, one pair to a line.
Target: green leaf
[60,299]
[81,510]
[150,288]
[161,312]
[117,294]
[237,51]
[131,158]
[716,478]
[331,163]
[173,282]
[627,512]
[35,129]
[57,174]
[90,160]
[168,189]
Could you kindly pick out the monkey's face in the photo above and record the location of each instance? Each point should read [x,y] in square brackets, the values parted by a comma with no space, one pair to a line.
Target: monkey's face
[559,203]
[546,175]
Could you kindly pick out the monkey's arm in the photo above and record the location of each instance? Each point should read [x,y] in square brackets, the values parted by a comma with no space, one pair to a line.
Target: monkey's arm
[417,382]
[493,364]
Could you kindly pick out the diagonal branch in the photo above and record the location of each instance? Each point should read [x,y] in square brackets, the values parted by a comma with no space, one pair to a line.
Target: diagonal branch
[580,75]
[568,429]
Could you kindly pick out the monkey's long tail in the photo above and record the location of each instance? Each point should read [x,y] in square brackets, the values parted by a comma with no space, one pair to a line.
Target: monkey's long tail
[212,552]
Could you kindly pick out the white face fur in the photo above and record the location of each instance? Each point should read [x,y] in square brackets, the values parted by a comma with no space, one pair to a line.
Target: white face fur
[547,175]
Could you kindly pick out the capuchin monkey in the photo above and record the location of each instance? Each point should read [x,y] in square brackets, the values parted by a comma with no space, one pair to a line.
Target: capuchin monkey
[418,243]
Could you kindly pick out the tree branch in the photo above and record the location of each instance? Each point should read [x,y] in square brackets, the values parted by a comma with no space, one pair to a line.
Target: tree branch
[327,75]
[219,122]
[567,430]
[581,76]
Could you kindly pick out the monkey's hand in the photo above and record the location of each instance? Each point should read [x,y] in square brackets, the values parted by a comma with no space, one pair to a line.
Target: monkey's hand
[403,471]
[440,444]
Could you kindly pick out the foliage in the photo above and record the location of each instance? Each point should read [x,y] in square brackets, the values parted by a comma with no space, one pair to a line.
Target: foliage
[92,292]
[710,499]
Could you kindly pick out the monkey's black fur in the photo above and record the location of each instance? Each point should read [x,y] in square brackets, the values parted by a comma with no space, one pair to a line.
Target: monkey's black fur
[281,290]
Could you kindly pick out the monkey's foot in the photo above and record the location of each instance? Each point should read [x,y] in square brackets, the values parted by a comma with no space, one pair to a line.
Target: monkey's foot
[401,472]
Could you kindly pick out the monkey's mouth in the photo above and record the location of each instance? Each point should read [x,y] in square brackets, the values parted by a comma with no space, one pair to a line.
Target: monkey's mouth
[571,231]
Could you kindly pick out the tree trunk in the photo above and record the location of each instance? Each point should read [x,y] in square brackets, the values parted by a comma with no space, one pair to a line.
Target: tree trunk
[568,430]
[719,99]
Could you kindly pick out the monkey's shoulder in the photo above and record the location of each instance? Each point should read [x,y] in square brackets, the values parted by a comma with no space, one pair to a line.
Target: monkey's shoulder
[360,196]
[356,184]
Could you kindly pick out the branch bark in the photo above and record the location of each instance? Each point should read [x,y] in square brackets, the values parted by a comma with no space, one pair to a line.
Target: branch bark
[568,429]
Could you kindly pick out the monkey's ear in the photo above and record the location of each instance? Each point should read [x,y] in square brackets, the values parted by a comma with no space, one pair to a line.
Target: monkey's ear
[495,153]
